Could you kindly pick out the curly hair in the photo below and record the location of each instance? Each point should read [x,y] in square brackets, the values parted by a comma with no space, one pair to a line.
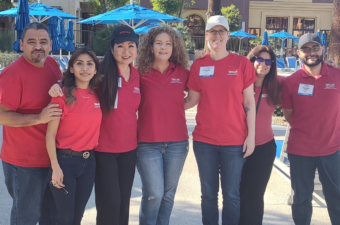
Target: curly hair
[145,57]
[271,81]
[68,81]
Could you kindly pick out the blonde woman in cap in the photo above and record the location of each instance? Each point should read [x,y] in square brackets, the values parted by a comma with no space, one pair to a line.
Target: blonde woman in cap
[222,84]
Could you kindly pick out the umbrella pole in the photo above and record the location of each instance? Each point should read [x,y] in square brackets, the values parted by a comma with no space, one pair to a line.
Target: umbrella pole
[239,47]
[60,54]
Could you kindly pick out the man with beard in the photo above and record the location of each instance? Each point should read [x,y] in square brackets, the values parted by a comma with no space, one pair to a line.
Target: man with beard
[311,105]
[24,112]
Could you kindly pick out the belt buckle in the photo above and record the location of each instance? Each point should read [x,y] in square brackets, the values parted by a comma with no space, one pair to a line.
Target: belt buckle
[86,155]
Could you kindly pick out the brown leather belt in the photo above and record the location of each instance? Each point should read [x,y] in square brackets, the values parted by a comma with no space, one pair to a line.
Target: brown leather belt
[85,154]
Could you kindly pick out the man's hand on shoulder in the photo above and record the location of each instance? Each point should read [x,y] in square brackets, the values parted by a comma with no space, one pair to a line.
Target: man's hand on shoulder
[50,112]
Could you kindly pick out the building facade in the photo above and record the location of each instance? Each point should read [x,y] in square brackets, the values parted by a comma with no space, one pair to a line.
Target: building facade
[293,16]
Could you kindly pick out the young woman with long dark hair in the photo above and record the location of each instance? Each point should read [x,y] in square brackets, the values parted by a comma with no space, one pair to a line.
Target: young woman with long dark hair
[258,166]
[116,153]
[71,139]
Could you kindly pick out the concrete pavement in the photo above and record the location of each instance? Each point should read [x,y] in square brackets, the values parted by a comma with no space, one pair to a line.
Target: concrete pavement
[187,203]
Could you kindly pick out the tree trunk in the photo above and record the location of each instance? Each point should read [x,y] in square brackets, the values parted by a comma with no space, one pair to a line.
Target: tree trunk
[334,45]
[103,6]
[181,10]
[214,8]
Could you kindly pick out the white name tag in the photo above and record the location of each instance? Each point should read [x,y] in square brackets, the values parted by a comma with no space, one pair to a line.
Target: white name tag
[207,71]
[119,82]
[306,89]
[116,101]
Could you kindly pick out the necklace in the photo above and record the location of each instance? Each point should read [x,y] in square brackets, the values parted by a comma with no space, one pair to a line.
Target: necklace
[81,94]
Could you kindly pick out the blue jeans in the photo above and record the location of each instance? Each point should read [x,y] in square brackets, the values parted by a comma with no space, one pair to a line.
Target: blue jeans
[79,176]
[302,173]
[160,165]
[27,186]
[213,160]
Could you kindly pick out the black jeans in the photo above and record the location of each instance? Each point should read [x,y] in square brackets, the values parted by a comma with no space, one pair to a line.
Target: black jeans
[255,176]
[78,180]
[114,179]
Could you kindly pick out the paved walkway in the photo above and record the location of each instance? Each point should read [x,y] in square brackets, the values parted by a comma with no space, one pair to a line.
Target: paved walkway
[187,203]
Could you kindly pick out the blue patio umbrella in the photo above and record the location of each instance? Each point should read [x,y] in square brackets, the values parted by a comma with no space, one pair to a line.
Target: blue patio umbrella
[69,38]
[52,26]
[265,38]
[61,34]
[131,15]
[39,12]
[145,29]
[22,20]
[324,40]
[318,33]
[240,34]
[283,36]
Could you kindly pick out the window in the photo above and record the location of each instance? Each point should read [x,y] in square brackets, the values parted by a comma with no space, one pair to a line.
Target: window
[302,26]
[255,31]
[196,25]
[276,24]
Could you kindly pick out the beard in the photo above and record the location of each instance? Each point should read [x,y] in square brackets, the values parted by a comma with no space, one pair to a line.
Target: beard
[38,58]
[319,59]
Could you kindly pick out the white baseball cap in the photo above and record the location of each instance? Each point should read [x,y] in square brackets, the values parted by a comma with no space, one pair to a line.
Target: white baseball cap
[217,20]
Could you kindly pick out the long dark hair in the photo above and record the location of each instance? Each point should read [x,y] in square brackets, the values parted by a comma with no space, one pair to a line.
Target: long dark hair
[107,89]
[271,82]
[68,81]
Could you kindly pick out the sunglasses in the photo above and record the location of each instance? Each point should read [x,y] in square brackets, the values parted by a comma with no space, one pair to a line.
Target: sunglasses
[268,62]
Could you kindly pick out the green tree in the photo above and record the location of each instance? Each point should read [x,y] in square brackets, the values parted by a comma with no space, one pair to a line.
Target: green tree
[101,41]
[184,32]
[233,15]
[102,6]
[172,7]
[6,4]
[334,45]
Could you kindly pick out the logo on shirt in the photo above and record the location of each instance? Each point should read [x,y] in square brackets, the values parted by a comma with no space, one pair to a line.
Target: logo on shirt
[175,81]
[230,72]
[136,90]
[264,95]
[330,86]
[96,105]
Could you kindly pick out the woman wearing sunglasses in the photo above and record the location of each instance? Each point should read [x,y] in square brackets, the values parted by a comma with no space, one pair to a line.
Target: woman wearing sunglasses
[258,166]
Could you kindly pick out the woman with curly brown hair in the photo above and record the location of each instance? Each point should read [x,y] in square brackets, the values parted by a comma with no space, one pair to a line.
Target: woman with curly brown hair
[162,132]
[71,139]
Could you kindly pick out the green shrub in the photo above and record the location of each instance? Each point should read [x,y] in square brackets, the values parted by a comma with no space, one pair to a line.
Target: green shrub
[6,59]
[7,40]
[101,41]
[184,32]
[278,111]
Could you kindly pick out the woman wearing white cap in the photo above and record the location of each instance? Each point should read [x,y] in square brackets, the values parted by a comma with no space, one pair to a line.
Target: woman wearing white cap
[222,84]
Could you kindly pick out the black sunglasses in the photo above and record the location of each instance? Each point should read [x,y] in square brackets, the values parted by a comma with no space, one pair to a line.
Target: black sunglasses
[268,62]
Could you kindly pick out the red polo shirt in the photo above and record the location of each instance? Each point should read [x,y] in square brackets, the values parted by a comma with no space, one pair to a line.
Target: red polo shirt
[315,120]
[220,113]
[24,89]
[263,126]
[79,124]
[161,112]
[118,132]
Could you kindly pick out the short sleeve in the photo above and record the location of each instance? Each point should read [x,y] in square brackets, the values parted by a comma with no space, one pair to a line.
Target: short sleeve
[10,91]
[61,101]
[249,75]
[186,79]
[286,97]
[193,82]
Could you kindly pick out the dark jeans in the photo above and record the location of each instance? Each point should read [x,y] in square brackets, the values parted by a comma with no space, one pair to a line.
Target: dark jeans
[160,165]
[78,180]
[114,179]
[255,176]
[302,172]
[212,161]
[28,188]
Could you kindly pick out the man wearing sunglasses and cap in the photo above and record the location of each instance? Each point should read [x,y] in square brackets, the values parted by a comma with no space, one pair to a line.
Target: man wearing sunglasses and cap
[311,105]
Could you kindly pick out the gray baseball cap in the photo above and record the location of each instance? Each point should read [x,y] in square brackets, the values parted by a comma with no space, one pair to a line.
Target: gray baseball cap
[309,37]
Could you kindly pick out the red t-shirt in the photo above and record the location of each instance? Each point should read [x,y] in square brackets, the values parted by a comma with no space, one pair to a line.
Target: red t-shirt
[118,132]
[161,112]
[220,118]
[263,125]
[24,89]
[315,120]
[79,124]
